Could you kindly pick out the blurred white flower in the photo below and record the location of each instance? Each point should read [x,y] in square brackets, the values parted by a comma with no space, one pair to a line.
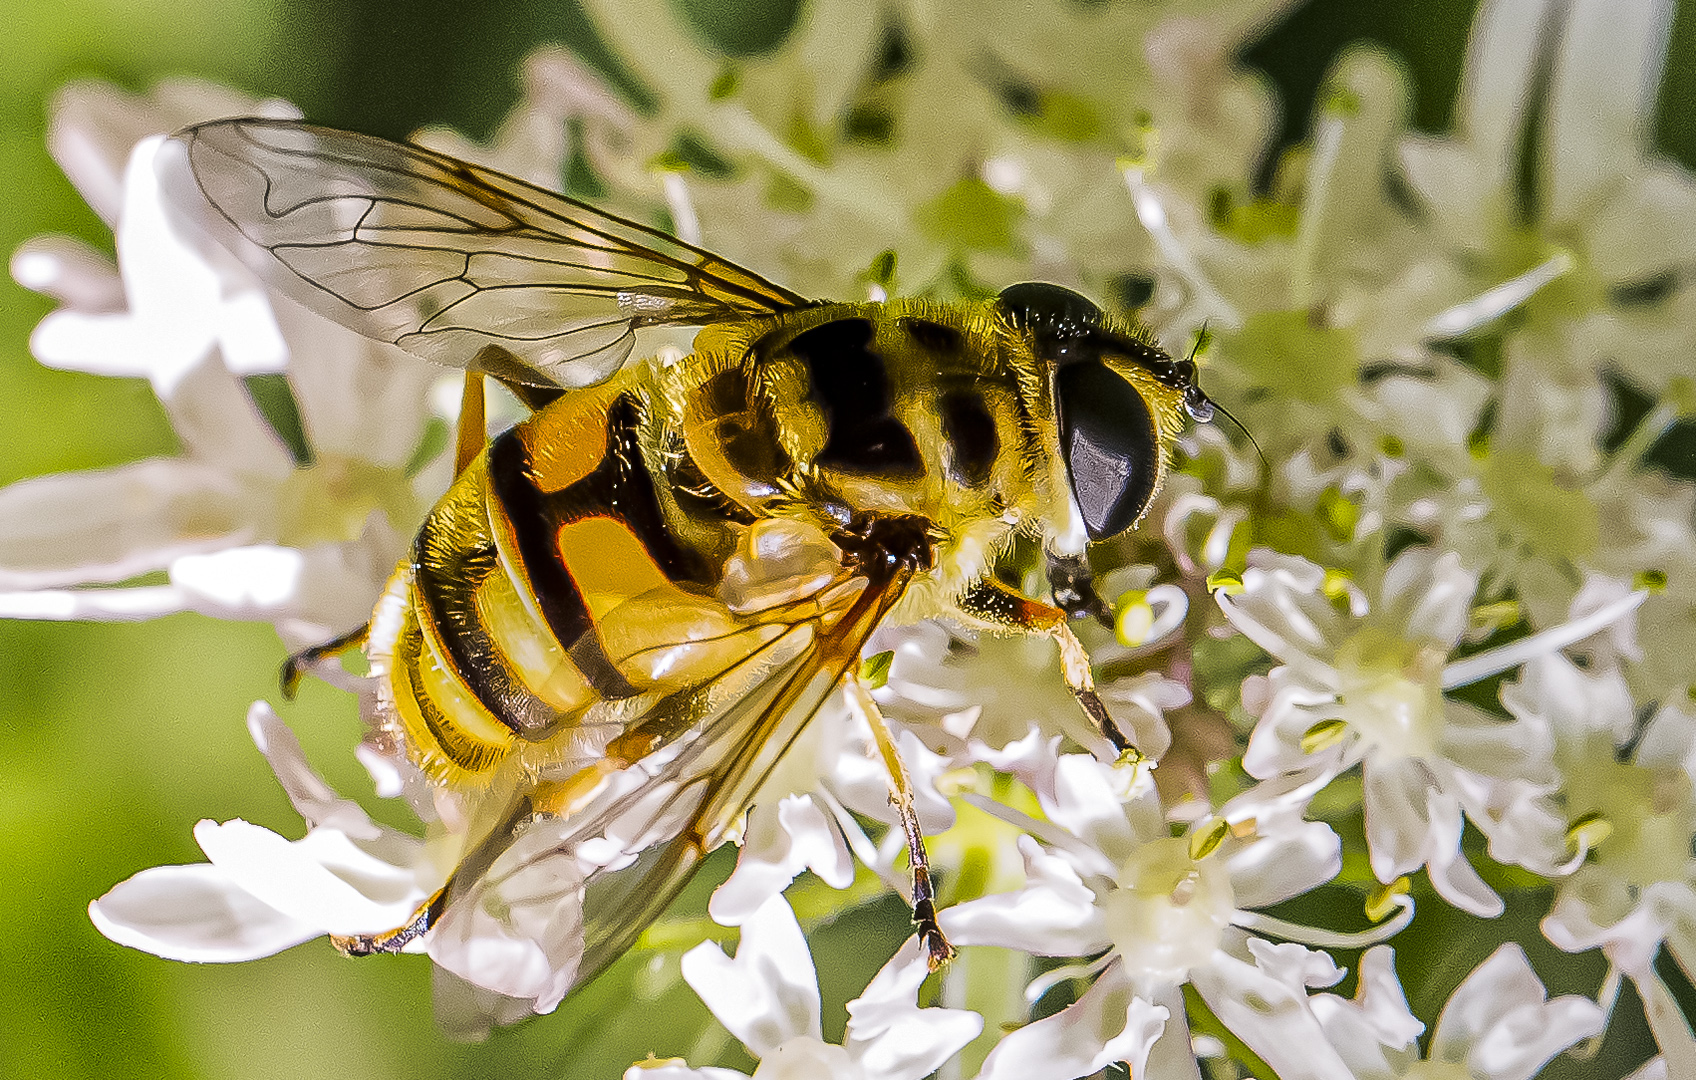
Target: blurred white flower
[768,997]
[1498,1025]
[1599,197]
[294,513]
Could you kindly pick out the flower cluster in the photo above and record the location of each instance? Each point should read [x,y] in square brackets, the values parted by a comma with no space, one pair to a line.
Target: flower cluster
[1432,639]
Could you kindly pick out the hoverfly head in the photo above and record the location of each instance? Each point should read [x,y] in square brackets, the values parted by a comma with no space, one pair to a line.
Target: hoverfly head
[1115,394]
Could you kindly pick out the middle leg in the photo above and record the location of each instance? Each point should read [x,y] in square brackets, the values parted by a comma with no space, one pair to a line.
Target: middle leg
[901,797]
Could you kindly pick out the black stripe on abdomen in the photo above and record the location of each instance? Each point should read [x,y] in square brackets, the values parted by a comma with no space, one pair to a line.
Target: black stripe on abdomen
[448,571]
[619,488]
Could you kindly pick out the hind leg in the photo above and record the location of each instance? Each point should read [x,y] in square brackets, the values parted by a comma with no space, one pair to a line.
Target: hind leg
[297,665]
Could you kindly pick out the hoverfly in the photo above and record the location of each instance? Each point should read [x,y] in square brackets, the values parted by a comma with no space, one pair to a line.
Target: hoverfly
[626,607]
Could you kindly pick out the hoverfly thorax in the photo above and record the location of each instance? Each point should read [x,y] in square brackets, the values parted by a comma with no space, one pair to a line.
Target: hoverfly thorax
[897,407]
[1118,399]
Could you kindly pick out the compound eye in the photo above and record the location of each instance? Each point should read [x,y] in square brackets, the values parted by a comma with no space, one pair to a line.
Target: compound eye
[1109,445]
[1040,305]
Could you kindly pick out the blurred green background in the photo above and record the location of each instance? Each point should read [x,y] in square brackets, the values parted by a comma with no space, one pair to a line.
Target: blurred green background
[115,739]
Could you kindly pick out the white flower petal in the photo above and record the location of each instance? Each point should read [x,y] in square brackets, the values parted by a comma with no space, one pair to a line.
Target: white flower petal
[115,605]
[112,524]
[195,913]
[674,1070]
[1666,1020]
[242,582]
[1376,1020]
[1452,873]
[1496,989]
[313,798]
[1173,1056]
[1109,1023]
[1497,82]
[177,308]
[1394,795]
[1055,914]
[1270,1018]
[69,271]
[1430,594]
[94,125]
[890,1036]
[1296,966]
[1287,863]
[769,993]
[1602,98]
[1087,805]
[323,880]
[781,840]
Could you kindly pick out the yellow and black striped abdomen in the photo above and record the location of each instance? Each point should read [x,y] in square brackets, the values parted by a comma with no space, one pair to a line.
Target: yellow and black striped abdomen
[543,583]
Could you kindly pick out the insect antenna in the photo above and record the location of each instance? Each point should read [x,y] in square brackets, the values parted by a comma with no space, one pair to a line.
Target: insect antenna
[1204,407]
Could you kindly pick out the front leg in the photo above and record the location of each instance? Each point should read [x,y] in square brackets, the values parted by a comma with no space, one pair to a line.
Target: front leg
[1074,588]
[998,607]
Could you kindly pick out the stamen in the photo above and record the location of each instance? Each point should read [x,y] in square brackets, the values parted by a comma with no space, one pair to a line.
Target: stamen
[1492,304]
[1323,735]
[1048,980]
[1137,623]
[1205,842]
[1329,939]
[1583,836]
[1493,661]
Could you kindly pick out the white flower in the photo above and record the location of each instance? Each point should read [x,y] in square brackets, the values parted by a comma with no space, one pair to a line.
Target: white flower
[261,893]
[1362,680]
[972,694]
[514,935]
[254,520]
[1498,1025]
[768,997]
[1108,882]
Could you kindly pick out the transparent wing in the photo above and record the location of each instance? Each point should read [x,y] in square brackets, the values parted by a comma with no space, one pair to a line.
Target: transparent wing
[459,264]
[673,808]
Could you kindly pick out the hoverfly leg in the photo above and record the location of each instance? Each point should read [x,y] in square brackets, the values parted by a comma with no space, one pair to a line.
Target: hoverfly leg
[393,941]
[298,664]
[473,430]
[901,797]
[1074,588]
[1000,608]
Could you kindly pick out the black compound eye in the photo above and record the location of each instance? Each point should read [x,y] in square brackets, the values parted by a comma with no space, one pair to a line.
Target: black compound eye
[1043,306]
[1109,445]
